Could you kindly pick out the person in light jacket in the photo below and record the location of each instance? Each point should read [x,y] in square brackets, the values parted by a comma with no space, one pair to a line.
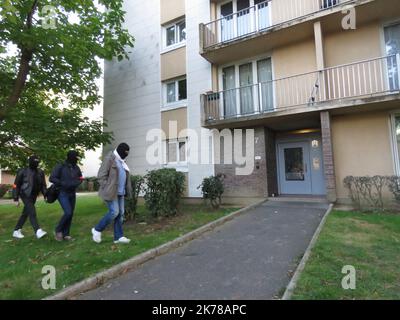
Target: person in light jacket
[114,180]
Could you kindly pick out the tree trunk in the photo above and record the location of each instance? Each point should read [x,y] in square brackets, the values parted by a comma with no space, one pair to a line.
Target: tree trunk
[24,66]
[23,72]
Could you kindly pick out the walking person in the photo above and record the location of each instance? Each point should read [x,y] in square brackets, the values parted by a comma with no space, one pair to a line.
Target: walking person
[114,179]
[27,186]
[67,177]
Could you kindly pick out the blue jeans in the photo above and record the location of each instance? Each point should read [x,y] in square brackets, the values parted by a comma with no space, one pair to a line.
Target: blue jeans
[116,210]
[67,201]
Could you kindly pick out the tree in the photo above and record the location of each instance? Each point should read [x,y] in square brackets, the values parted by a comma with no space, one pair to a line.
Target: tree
[47,84]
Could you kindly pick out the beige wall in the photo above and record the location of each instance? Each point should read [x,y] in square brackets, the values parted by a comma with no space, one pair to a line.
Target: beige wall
[294,59]
[289,61]
[361,146]
[178,115]
[171,10]
[173,64]
[353,45]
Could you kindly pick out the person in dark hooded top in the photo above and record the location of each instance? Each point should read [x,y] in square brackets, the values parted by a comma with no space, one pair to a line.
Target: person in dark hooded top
[67,177]
[27,186]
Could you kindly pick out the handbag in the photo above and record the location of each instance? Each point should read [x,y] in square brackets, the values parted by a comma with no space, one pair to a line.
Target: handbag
[52,194]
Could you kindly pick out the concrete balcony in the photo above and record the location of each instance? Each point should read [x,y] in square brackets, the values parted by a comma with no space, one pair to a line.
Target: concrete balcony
[274,23]
[373,83]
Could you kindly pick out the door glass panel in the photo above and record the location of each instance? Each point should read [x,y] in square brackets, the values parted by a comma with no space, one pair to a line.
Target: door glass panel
[294,164]
[229,91]
[227,31]
[264,75]
[171,92]
[392,42]
[262,13]
[246,88]
[182,90]
[243,17]
[170,36]
[182,31]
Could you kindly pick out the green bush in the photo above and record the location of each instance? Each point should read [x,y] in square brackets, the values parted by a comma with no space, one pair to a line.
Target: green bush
[83,187]
[212,189]
[131,204]
[4,188]
[89,184]
[163,191]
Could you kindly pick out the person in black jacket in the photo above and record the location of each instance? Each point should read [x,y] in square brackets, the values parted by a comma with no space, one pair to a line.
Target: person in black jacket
[67,177]
[28,184]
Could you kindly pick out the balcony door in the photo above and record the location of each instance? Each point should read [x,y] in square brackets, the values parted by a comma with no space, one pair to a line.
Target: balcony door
[266,93]
[229,93]
[246,88]
[227,22]
[392,44]
[243,17]
[263,14]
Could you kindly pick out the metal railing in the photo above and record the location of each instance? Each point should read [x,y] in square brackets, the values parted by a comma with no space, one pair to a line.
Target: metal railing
[361,79]
[260,17]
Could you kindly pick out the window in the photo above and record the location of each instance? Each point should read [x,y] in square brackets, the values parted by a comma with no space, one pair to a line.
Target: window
[175,91]
[175,34]
[392,44]
[176,151]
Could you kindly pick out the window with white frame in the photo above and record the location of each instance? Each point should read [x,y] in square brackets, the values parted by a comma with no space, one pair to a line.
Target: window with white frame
[176,151]
[175,92]
[175,34]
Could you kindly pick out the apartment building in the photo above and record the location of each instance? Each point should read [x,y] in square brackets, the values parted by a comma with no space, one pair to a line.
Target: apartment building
[317,80]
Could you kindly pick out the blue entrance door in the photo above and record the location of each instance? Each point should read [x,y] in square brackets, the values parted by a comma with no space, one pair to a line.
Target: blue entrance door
[294,168]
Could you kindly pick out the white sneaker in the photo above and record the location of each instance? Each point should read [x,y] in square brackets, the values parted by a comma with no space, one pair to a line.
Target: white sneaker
[40,233]
[18,234]
[123,240]
[96,235]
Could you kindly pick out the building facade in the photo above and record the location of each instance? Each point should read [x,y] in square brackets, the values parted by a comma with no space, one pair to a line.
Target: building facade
[315,84]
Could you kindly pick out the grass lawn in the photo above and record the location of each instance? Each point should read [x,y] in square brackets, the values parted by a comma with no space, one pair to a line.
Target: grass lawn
[369,242]
[21,261]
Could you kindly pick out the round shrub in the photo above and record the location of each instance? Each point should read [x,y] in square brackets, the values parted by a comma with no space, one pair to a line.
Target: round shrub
[212,189]
[163,191]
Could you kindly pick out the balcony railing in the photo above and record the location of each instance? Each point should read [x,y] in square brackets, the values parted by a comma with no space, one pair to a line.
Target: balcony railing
[375,77]
[260,17]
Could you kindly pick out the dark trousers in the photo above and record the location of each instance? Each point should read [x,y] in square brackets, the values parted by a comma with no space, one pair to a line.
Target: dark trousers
[28,211]
[67,201]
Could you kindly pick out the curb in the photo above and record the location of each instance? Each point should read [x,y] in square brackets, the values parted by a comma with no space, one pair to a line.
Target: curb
[293,282]
[133,263]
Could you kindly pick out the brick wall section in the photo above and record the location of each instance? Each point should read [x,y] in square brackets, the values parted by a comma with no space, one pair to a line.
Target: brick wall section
[253,185]
[272,173]
[327,150]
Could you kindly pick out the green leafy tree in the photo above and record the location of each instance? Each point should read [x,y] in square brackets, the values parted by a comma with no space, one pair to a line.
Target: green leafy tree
[50,79]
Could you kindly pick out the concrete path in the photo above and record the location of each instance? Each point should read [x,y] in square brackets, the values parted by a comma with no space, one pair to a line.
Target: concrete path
[251,257]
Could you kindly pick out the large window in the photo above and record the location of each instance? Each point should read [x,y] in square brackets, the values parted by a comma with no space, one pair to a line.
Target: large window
[175,34]
[175,92]
[247,88]
[176,151]
[392,44]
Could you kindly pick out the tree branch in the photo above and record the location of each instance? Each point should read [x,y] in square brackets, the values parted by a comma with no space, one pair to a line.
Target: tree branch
[24,66]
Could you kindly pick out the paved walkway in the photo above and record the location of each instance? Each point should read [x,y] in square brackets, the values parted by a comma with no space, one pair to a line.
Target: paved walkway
[248,258]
